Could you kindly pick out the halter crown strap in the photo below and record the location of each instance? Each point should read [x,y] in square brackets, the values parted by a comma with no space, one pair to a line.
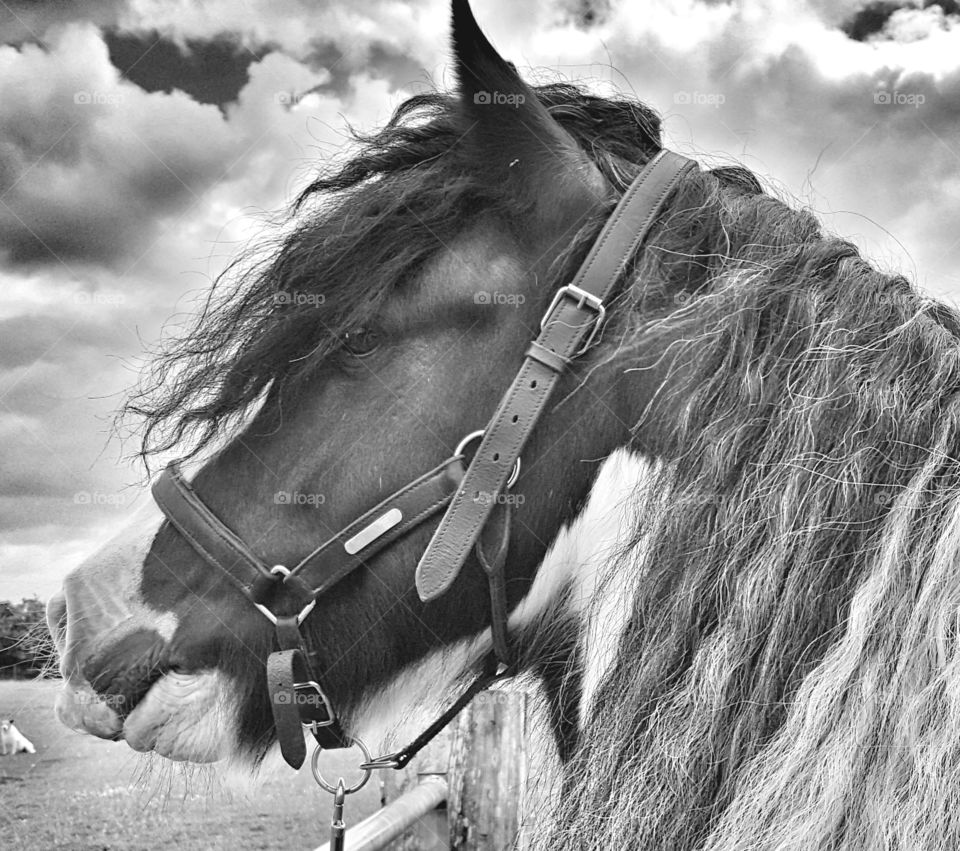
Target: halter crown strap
[568,329]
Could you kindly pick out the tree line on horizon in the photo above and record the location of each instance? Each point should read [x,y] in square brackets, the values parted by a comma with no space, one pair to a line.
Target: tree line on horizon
[26,648]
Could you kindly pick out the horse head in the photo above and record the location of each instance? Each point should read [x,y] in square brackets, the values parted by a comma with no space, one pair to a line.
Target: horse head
[384,332]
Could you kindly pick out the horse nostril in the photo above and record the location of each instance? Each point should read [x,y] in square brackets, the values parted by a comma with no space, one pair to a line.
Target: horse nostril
[57,620]
[123,671]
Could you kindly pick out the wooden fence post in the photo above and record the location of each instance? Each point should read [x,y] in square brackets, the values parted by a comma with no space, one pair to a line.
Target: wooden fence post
[431,832]
[482,758]
[488,772]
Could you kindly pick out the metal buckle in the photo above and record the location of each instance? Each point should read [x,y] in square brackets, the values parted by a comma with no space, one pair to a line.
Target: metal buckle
[323,701]
[582,298]
[280,570]
[474,435]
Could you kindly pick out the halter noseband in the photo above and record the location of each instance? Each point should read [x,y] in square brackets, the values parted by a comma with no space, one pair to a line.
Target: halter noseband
[568,329]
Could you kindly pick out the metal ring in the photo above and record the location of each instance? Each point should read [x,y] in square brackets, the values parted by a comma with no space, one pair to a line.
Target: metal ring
[463,443]
[514,473]
[322,781]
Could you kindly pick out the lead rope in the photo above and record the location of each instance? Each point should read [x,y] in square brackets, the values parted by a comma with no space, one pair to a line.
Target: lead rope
[493,671]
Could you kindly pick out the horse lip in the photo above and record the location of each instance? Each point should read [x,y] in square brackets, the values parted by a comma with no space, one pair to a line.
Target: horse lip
[125,703]
[124,670]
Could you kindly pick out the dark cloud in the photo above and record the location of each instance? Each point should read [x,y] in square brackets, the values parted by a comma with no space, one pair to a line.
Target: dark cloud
[25,340]
[210,71]
[871,20]
[585,14]
[23,21]
[55,398]
[90,165]
[380,60]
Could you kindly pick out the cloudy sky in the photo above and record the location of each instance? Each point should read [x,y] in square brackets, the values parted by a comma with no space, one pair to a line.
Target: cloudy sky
[143,143]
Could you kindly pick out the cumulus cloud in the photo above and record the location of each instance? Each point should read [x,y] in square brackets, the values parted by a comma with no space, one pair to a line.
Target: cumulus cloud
[89,162]
[411,29]
[864,132]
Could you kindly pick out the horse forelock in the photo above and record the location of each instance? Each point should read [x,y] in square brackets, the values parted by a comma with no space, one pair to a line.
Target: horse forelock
[788,675]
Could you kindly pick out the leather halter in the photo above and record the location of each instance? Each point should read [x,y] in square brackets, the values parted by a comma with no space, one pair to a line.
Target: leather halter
[569,328]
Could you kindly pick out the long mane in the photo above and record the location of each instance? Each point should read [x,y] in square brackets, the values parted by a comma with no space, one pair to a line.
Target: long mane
[790,673]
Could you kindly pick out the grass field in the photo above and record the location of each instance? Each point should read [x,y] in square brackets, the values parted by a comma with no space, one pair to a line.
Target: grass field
[78,792]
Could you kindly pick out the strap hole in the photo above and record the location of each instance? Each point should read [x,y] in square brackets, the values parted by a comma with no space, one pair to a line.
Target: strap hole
[533,383]
[515,418]
[496,456]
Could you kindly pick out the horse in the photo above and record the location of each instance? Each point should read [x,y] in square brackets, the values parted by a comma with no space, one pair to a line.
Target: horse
[733,533]
[12,741]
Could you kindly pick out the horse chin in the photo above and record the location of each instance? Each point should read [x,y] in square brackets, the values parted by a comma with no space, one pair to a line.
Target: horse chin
[184,717]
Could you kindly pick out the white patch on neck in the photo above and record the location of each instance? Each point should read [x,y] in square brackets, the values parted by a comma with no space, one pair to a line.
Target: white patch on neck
[581,560]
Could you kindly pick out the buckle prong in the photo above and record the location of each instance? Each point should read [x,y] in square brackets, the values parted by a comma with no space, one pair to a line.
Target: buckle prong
[323,700]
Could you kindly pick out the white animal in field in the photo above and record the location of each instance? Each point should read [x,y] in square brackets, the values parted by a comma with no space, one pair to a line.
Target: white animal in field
[12,740]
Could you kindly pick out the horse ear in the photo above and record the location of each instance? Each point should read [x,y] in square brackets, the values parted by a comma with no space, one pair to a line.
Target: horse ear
[511,137]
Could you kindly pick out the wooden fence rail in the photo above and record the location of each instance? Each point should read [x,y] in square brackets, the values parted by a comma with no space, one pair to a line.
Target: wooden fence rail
[396,818]
[464,792]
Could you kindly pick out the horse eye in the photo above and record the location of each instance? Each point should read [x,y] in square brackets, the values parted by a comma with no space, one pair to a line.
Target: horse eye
[361,341]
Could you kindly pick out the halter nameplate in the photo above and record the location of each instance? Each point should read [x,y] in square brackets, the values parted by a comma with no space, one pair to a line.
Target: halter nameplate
[366,536]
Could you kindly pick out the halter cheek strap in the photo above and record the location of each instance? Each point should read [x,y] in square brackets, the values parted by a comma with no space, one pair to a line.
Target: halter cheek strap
[294,676]
[568,329]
